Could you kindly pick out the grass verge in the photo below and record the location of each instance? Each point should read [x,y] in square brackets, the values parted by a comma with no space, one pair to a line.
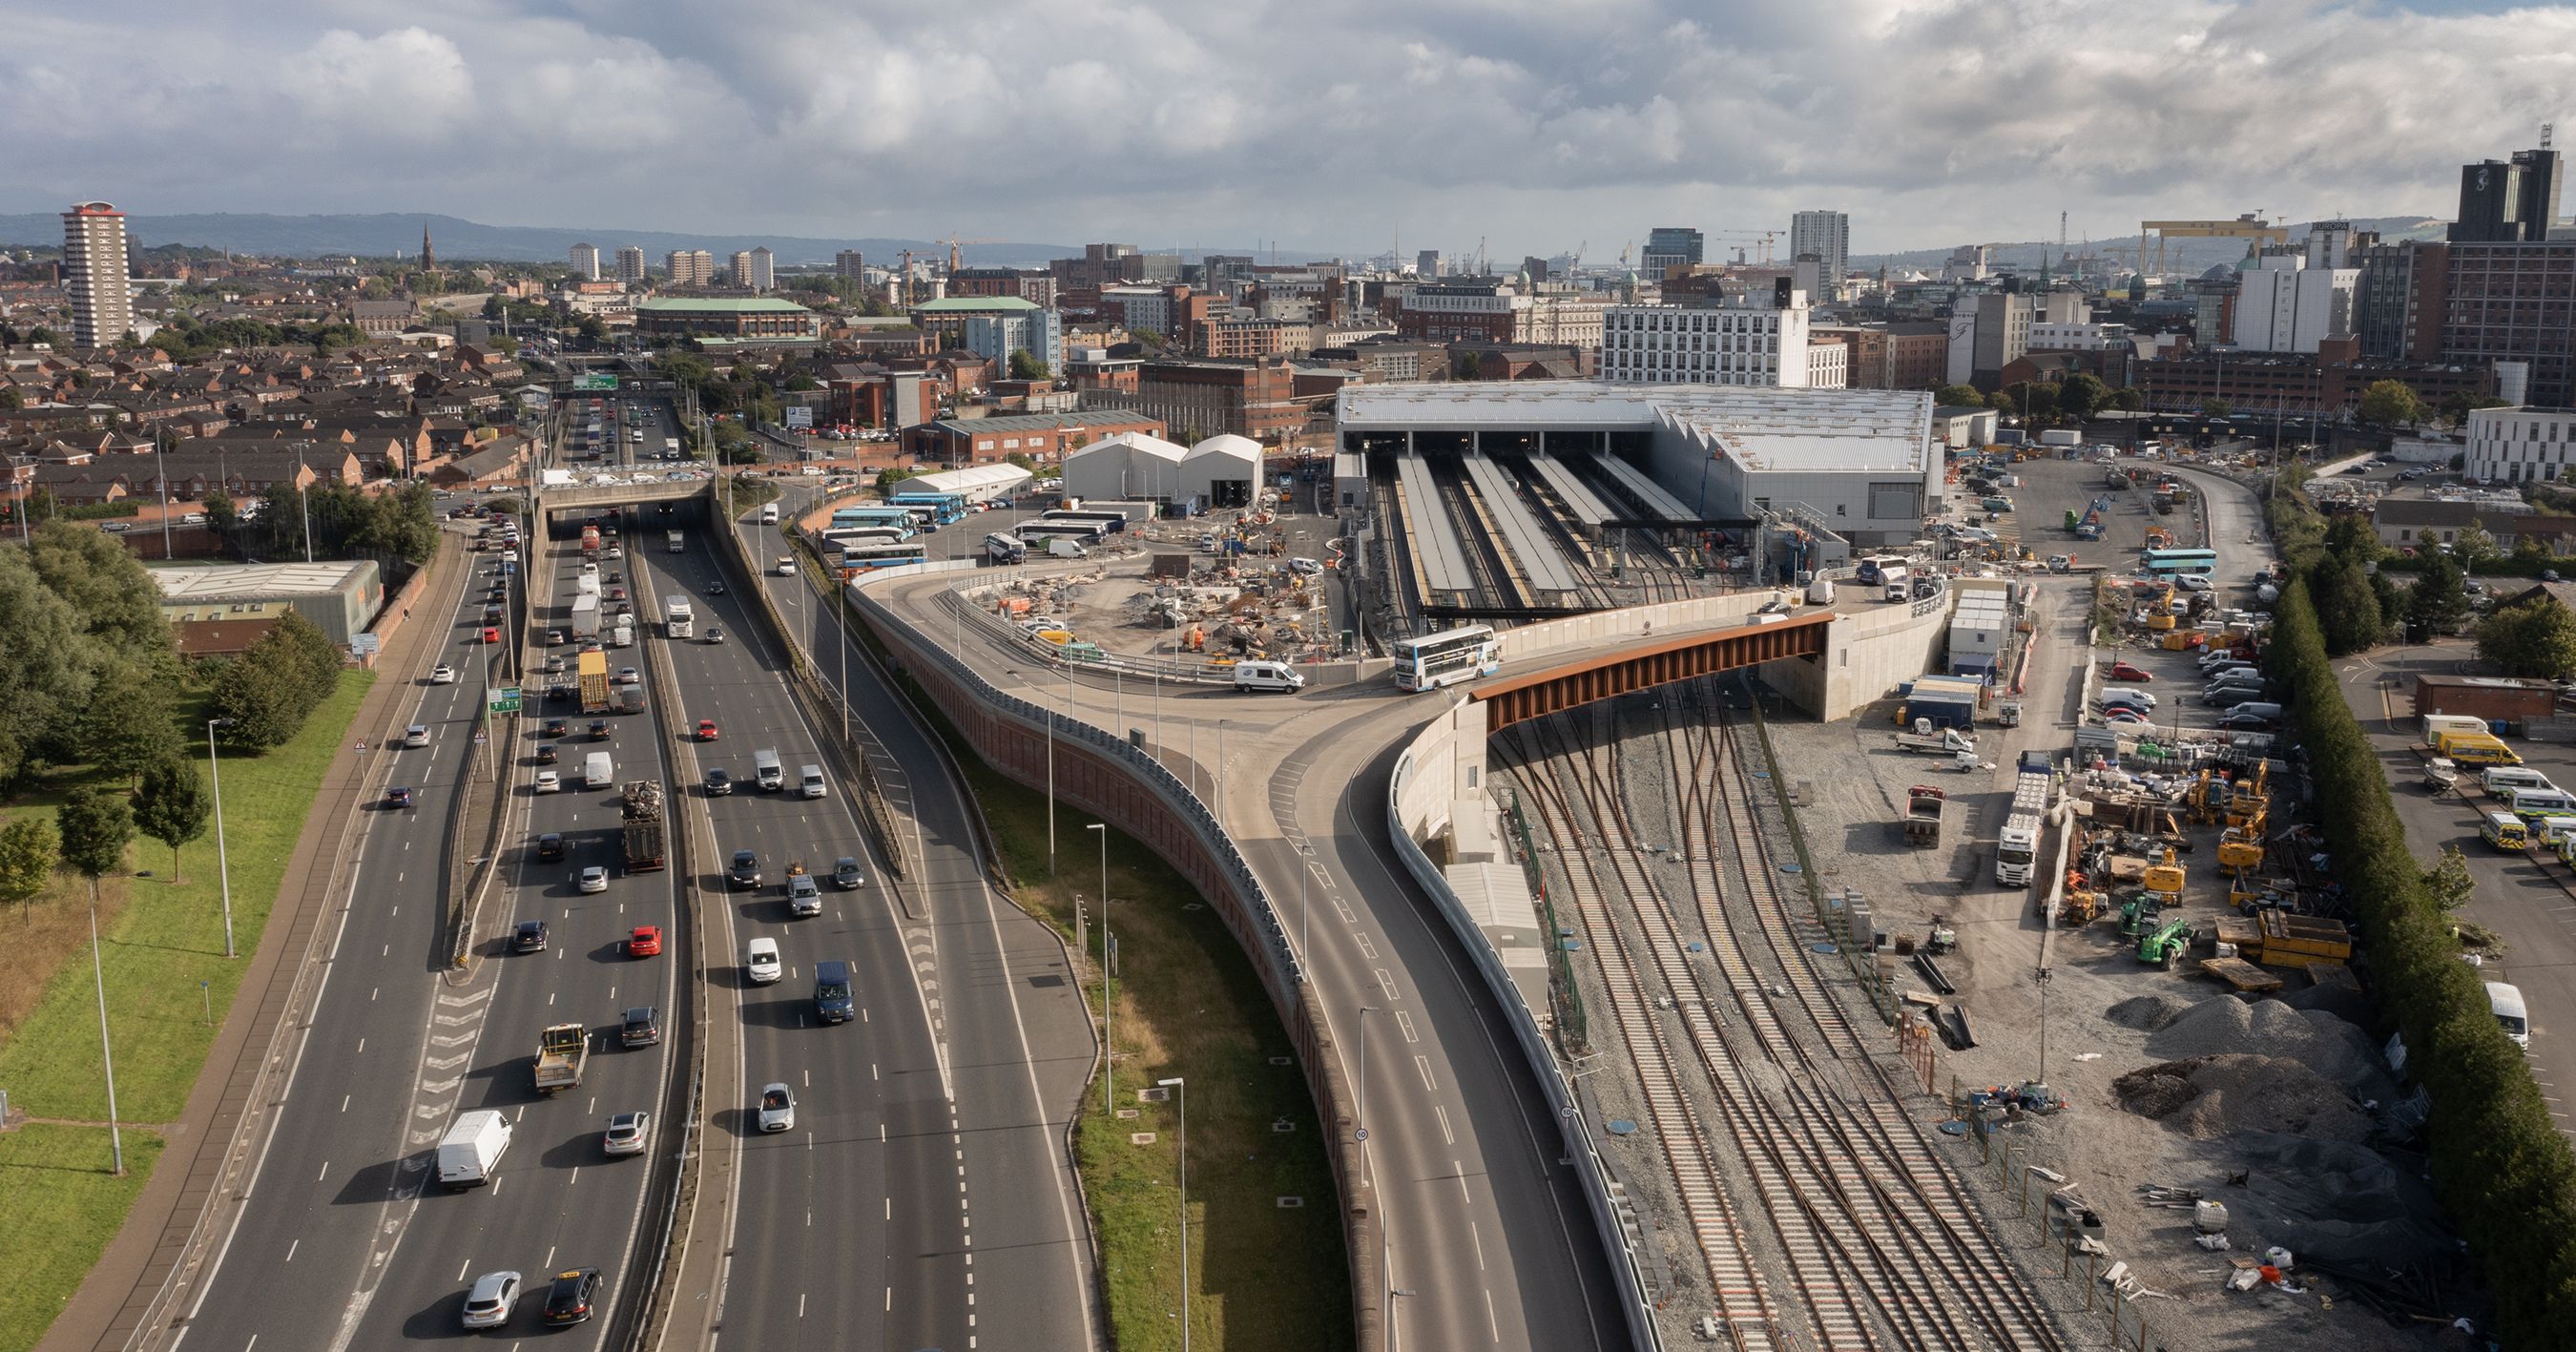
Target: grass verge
[1262,1276]
[162,948]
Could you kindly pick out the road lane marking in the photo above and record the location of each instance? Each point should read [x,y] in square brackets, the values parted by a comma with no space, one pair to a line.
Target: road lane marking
[1422,1064]
[1443,1115]
[291,1248]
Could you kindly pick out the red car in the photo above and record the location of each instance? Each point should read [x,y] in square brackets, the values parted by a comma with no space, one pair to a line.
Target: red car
[491,634]
[645,942]
[2122,671]
[706,729]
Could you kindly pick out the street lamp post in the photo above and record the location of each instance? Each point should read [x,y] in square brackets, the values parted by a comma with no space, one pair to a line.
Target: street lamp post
[1305,866]
[1182,1085]
[223,862]
[106,1052]
[1108,1031]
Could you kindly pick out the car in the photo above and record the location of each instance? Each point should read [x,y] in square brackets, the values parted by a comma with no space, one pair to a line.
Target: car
[616,593]
[2123,671]
[706,730]
[550,847]
[715,633]
[488,1302]
[641,1026]
[746,869]
[2127,718]
[617,575]
[715,587]
[400,796]
[569,1299]
[719,782]
[2135,699]
[845,873]
[627,1134]
[557,728]
[554,664]
[2194,582]
[629,676]
[644,942]
[442,674]
[599,729]
[529,937]
[804,895]
[760,962]
[787,565]
[416,735]
[554,639]
[491,634]
[592,879]
[2235,720]
[549,782]
[777,1107]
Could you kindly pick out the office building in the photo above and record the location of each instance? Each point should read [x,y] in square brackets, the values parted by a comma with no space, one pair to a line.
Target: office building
[1757,339]
[850,264]
[2508,201]
[738,268]
[690,267]
[1203,397]
[94,274]
[1669,247]
[2506,303]
[1462,311]
[2283,304]
[1040,333]
[769,320]
[585,262]
[1827,235]
[1988,332]
[1427,263]
[2519,445]
[630,264]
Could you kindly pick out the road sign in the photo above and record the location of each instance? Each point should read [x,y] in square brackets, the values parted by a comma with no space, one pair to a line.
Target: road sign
[362,748]
[364,644]
[594,380]
[479,738]
[505,700]
[801,418]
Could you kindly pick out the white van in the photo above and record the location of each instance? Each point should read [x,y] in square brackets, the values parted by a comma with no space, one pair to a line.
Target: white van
[1272,676]
[2506,1002]
[2498,778]
[765,771]
[475,1143]
[598,771]
[769,514]
[809,781]
[760,961]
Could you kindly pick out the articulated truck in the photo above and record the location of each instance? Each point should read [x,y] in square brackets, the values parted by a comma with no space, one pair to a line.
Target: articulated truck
[678,620]
[643,811]
[2017,852]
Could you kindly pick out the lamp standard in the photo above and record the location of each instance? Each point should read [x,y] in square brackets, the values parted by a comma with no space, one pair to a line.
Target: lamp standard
[1178,1083]
[223,862]
[1108,1033]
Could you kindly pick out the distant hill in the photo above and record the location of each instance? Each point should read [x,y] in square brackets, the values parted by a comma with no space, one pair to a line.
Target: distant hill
[458,240]
[2193,255]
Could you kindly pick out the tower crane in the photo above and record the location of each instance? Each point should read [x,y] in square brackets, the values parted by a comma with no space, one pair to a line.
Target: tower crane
[956,250]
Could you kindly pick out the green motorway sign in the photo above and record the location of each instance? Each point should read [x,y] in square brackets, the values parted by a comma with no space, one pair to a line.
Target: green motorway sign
[594,381]
[505,700]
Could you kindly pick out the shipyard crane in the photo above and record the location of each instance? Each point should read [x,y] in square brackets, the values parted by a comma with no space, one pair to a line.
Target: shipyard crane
[2250,227]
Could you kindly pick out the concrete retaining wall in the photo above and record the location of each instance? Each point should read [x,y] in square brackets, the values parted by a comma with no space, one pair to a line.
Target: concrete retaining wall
[1867,655]
[1097,773]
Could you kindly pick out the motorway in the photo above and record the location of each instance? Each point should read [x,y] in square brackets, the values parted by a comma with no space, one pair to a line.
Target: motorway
[341,1245]
[1490,1241]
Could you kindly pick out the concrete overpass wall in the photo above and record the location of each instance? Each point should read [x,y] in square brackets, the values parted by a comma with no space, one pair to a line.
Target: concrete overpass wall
[1442,773]
[1538,644]
[1868,654]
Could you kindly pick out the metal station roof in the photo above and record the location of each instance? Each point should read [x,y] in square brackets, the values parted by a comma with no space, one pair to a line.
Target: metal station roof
[1578,497]
[1541,561]
[1444,565]
[1759,427]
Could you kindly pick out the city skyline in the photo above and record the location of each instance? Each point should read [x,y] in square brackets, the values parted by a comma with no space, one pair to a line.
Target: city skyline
[1534,130]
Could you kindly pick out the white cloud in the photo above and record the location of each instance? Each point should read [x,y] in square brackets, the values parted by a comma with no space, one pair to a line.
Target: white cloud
[1531,123]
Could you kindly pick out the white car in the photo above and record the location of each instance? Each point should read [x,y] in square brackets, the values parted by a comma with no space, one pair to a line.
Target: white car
[777,1108]
[760,961]
[786,565]
[442,674]
[488,1305]
[593,879]
[549,782]
[628,1134]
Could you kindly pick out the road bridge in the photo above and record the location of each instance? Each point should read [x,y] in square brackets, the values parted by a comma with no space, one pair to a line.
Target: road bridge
[1605,675]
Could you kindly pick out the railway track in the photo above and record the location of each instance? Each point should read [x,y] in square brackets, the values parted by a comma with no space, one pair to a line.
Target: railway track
[1874,1233]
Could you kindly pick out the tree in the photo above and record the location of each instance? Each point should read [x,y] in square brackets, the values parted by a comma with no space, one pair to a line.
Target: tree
[117,599]
[221,515]
[29,854]
[1026,366]
[2128,401]
[2474,547]
[127,726]
[2216,408]
[95,828]
[48,665]
[1146,337]
[1470,366]
[173,806]
[892,475]
[2081,394]
[262,702]
[1958,396]
[2388,403]
[11,399]
[1022,460]
[2438,603]
[2537,639]
[2448,883]
[2347,607]
[2039,402]
[2002,401]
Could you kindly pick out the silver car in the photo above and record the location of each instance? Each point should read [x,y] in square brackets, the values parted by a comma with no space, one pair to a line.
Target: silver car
[777,1108]
[488,1304]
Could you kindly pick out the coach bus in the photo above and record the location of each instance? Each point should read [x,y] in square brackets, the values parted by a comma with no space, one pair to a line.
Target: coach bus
[2179,562]
[945,507]
[1445,658]
[881,554]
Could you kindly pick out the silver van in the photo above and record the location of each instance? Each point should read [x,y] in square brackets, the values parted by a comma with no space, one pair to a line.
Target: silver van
[1273,676]
[809,781]
[2506,1003]
[2498,778]
[766,772]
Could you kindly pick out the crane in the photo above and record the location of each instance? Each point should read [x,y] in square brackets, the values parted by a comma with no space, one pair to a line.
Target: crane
[2251,227]
[956,247]
[1765,236]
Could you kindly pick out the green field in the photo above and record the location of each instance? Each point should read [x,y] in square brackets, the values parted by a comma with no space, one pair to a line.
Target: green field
[162,949]
[1188,1004]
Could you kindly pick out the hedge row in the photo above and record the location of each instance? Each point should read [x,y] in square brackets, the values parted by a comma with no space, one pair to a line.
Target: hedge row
[2499,1164]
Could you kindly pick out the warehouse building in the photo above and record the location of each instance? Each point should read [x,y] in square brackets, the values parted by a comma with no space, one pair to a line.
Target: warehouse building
[1220,473]
[341,597]
[980,483]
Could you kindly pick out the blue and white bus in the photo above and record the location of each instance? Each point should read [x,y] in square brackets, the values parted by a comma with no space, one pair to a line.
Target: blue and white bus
[2179,562]
[869,557]
[871,518]
[1446,658]
[945,507]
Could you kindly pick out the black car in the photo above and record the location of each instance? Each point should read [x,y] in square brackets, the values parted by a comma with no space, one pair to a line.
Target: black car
[550,846]
[599,729]
[546,753]
[643,1027]
[556,727]
[568,1301]
[399,796]
[746,869]
[719,783]
[530,937]
[715,588]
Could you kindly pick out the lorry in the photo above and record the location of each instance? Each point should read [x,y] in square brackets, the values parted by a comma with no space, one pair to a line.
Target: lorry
[642,808]
[678,620]
[2017,848]
[472,1149]
[585,615]
[598,771]
[1923,739]
[561,1051]
[590,544]
[676,542]
[2061,436]
[593,673]
[1923,804]
[1898,581]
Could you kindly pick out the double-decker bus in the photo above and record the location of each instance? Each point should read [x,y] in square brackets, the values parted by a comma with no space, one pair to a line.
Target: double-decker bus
[2178,562]
[1445,658]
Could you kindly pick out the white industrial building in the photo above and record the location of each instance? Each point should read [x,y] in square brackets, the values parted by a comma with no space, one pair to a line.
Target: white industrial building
[980,483]
[340,596]
[1222,472]
[1858,463]
[1742,340]
[2519,445]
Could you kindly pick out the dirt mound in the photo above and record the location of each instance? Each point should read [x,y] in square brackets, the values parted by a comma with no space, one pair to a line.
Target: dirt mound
[2325,1044]
[2148,1013]
[2208,1097]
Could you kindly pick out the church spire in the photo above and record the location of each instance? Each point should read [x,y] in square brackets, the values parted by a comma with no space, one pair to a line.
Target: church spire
[428,254]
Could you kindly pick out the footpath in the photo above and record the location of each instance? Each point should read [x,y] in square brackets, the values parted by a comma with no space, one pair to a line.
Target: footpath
[198,1185]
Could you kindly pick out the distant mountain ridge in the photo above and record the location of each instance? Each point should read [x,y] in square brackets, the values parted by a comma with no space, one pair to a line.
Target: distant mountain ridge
[387,234]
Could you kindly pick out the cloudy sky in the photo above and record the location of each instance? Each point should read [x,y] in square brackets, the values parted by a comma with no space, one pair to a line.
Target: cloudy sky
[1327,125]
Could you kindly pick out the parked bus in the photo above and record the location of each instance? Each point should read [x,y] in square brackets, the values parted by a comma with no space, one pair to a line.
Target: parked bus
[877,518]
[1085,531]
[1004,549]
[1452,655]
[2179,562]
[947,507]
[883,554]
[1112,522]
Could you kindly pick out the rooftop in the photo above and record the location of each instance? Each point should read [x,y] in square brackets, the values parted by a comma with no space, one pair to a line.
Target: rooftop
[721,305]
[954,305]
[1760,428]
[199,583]
[1043,422]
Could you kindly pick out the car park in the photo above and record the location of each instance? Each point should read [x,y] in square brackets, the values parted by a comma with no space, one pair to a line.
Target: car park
[529,937]
[569,1299]
[777,1107]
[489,1301]
[645,941]
[627,1134]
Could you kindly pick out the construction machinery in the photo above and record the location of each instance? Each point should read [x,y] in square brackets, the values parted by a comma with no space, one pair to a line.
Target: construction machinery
[562,1049]
[2167,943]
[2250,797]
[2164,879]
[2087,525]
[1941,938]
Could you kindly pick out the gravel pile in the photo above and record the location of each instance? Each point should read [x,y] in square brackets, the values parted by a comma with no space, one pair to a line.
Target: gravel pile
[2215,1096]
[2149,1013]
[2323,1043]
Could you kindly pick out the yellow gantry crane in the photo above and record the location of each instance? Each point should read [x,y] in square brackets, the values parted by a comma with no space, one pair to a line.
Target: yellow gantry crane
[2250,226]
